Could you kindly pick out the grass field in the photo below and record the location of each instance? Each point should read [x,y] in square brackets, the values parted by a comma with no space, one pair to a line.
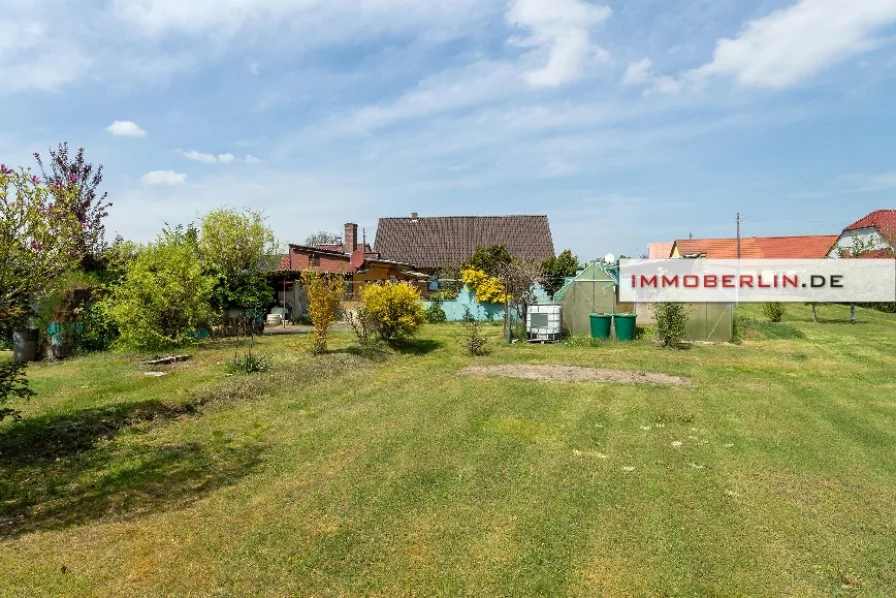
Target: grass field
[392,474]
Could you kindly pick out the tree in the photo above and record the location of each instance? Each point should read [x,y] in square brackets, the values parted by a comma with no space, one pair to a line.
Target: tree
[325,294]
[322,237]
[519,278]
[67,175]
[394,307]
[490,260]
[165,295]
[670,323]
[554,270]
[238,249]
[38,241]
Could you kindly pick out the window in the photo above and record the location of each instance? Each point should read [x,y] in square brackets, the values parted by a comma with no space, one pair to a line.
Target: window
[315,261]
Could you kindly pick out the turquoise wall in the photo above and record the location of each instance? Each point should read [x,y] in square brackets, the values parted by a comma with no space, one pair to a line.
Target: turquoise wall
[481,311]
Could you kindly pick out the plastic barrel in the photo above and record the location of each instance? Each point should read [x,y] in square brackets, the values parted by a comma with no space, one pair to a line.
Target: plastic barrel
[24,344]
[625,326]
[600,325]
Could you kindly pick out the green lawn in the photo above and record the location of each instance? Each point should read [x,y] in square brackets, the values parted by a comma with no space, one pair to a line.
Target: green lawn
[774,474]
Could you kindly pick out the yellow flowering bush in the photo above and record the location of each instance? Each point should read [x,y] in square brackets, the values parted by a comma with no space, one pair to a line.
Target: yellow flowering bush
[488,289]
[394,308]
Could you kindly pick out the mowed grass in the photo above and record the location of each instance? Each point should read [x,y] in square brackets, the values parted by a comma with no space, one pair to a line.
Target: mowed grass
[376,474]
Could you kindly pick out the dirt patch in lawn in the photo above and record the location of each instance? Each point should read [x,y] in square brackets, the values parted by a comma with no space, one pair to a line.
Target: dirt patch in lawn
[566,373]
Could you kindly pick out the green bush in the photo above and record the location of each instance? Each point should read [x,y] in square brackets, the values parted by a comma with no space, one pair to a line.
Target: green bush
[474,341]
[434,314]
[670,323]
[165,294]
[100,331]
[250,363]
[774,311]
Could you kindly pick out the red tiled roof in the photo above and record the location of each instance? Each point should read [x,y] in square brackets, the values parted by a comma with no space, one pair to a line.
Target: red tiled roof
[340,247]
[801,247]
[882,220]
[659,251]
[441,241]
[718,248]
[805,247]
[885,253]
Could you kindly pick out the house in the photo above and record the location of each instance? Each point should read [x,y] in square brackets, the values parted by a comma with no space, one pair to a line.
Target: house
[796,247]
[358,264]
[877,230]
[431,243]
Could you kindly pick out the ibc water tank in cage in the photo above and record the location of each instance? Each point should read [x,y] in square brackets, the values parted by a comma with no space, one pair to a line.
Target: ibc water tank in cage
[544,323]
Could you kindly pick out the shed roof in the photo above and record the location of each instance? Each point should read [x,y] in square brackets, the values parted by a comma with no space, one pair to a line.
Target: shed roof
[439,241]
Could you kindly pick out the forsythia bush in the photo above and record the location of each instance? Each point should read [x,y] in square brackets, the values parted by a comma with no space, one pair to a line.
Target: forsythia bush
[325,295]
[394,308]
[488,289]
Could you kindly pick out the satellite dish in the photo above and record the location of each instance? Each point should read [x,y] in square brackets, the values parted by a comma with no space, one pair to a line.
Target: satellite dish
[610,258]
[358,258]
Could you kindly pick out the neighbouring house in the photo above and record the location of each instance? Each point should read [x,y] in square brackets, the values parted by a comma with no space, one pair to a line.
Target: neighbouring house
[356,262]
[877,228]
[431,243]
[795,247]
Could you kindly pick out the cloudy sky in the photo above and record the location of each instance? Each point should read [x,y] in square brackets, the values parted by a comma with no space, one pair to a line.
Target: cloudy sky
[624,121]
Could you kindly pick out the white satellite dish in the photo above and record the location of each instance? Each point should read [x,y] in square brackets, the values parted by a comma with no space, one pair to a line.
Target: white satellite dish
[610,258]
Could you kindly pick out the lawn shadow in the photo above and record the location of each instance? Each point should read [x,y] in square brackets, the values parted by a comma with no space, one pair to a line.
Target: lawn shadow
[62,470]
[415,346]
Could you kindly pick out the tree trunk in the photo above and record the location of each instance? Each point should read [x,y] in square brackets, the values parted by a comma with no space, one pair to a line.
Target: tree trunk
[852,313]
[814,314]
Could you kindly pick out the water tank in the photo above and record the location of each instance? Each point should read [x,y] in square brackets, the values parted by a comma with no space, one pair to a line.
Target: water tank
[544,323]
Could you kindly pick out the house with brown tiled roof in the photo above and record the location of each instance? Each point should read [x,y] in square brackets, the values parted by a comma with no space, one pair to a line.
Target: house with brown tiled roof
[877,229]
[431,243]
[798,247]
[660,250]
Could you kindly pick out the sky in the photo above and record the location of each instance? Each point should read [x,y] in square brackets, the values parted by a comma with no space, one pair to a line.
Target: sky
[626,122]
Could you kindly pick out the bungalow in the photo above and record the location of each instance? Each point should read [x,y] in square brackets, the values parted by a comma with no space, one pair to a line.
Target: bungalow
[359,264]
[877,229]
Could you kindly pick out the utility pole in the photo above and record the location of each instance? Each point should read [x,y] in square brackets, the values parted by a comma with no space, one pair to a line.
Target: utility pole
[738,235]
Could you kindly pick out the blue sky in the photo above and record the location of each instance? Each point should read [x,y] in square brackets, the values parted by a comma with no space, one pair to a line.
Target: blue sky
[625,122]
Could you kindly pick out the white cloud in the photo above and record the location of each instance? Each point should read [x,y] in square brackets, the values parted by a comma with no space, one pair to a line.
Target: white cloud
[638,73]
[790,45]
[164,177]
[214,158]
[253,66]
[126,128]
[449,90]
[560,32]
[33,54]
[250,159]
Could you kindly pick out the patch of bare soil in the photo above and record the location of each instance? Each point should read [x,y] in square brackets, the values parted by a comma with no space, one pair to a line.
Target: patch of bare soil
[566,373]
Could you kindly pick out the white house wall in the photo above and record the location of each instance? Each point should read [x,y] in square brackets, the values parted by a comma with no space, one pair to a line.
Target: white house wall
[847,239]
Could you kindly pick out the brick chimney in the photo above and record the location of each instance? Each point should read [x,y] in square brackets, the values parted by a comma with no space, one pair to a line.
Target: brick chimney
[350,240]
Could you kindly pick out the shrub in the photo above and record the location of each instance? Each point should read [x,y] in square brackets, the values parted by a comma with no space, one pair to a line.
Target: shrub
[750,329]
[165,294]
[325,294]
[434,314]
[487,289]
[774,311]
[250,363]
[474,342]
[100,331]
[670,323]
[362,323]
[395,309]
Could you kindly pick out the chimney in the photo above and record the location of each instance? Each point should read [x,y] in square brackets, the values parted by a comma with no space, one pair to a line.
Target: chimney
[350,240]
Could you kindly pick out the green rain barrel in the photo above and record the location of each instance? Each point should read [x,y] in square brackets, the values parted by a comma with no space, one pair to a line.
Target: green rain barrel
[625,326]
[600,325]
